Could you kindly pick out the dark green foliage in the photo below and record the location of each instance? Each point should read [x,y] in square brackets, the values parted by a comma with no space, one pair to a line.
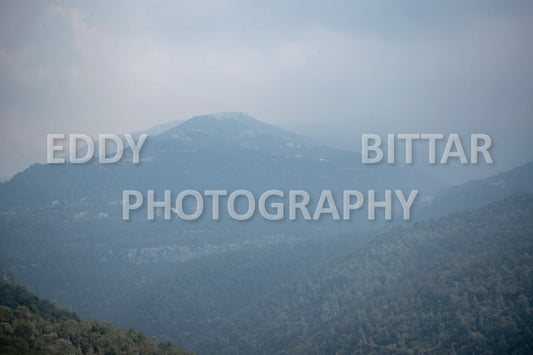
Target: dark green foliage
[29,325]
[461,284]
[12,295]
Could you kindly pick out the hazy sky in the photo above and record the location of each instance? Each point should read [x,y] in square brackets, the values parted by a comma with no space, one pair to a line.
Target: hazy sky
[328,69]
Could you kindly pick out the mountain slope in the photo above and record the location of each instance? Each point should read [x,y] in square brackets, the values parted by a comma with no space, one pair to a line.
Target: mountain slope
[62,233]
[229,150]
[461,284]
[30,325]
[479,192]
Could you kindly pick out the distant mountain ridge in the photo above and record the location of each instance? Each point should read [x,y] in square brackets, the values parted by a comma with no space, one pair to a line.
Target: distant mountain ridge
[240,125]
[479,192]
[226,150]
[161,128]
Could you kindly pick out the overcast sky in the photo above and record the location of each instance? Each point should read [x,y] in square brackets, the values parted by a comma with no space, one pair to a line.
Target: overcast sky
[328,69]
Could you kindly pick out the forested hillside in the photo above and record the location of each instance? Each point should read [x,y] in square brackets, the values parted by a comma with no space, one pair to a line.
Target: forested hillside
[461,284]
[477,193]
[30,325]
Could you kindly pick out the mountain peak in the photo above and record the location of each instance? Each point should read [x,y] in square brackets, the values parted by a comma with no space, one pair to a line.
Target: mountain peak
[237,120]
[234,126]
[227,116]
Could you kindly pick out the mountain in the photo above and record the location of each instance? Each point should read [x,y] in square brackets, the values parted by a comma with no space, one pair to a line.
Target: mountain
[478,192]
[30,325]
[460,284]
[161,128]
[62,233]
[236,128]
[228,150]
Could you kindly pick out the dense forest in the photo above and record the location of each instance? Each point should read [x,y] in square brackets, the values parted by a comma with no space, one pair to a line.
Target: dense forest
[461,284]
[30,325]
